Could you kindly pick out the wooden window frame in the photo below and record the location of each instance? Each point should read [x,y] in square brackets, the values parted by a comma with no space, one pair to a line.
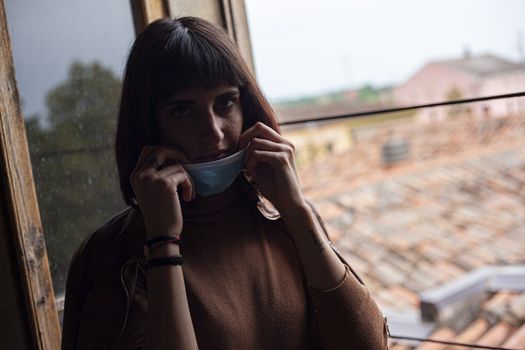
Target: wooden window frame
[233,19]
[20,213]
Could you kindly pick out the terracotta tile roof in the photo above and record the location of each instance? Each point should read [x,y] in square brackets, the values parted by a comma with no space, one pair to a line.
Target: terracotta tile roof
[485,330]
[496,335]
[444,333]
[473,332]
[517,340]
[428,221]
[422,229]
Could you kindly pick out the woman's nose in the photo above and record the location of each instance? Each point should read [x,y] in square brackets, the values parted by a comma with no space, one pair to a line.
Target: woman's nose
[211,129]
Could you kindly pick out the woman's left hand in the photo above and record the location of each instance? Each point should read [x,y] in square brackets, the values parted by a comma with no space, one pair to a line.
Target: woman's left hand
[270,162]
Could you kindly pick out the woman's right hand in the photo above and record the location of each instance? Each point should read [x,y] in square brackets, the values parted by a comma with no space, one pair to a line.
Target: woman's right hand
[155,180]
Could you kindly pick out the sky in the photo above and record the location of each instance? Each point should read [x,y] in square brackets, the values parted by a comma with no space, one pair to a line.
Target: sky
[48,35]
[305,47]
[301,47]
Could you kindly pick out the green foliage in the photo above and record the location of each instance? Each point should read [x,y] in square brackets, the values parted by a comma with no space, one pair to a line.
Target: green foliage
[73,161]
[369,95]
[332,97]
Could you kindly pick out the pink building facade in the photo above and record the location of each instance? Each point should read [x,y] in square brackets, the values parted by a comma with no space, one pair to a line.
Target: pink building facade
[468,77]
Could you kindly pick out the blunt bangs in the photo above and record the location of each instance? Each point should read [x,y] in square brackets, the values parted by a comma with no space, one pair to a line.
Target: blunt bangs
[191,61]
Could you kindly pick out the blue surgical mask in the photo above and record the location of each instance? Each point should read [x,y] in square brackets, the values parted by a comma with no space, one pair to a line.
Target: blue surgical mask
[215,176]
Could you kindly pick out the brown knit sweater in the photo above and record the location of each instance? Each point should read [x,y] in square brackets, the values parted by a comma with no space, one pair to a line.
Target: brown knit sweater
[245,287]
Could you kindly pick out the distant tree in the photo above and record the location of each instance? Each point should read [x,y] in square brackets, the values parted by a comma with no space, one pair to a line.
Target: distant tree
[73,161]
[368,95]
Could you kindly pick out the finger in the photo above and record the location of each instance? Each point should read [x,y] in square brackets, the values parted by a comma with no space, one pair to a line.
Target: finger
[267,145]
[262,131]
[173,179]
[164,153]
[274,159]
[169,170]
[152,158]
[180,178]
[188,186]
[160,154]
[264,145]
[188,189]
[145,154]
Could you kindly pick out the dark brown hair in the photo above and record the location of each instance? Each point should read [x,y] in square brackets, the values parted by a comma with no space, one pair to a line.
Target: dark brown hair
[171,55]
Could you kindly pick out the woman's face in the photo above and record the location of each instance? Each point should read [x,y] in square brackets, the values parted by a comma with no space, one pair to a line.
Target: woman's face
[204,123]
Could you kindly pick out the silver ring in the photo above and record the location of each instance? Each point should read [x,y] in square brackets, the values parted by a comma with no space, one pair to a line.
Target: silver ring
[154,162]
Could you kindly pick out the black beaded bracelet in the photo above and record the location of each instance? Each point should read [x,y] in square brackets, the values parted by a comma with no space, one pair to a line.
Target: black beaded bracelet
[166,260]
[162,238]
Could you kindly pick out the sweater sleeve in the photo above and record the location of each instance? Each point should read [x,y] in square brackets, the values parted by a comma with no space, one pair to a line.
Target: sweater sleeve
[346,316]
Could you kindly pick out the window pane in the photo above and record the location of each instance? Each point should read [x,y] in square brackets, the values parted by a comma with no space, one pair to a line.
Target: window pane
[339,56]
[416,199]
[69,59]
[414,205]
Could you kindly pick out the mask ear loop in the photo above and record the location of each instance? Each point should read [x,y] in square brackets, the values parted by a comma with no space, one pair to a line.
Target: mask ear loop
[265,207]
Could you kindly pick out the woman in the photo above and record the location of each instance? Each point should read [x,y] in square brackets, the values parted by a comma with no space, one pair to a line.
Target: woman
[191,117]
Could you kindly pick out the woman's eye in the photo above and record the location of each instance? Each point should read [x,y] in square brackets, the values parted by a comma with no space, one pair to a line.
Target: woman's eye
[225,103]
[180,111]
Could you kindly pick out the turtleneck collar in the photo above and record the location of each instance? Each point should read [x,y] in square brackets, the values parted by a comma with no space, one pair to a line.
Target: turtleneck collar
[210,205]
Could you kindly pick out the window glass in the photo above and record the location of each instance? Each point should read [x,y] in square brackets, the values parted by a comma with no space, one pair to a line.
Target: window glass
[415,205]
[69,58]
[415,199]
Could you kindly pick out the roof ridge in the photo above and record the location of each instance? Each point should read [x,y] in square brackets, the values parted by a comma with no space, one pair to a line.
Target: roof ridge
[484,64]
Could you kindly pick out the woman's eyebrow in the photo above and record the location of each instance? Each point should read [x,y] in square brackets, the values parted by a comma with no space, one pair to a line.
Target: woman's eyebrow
[173,100]
[177,101]
[228,93]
